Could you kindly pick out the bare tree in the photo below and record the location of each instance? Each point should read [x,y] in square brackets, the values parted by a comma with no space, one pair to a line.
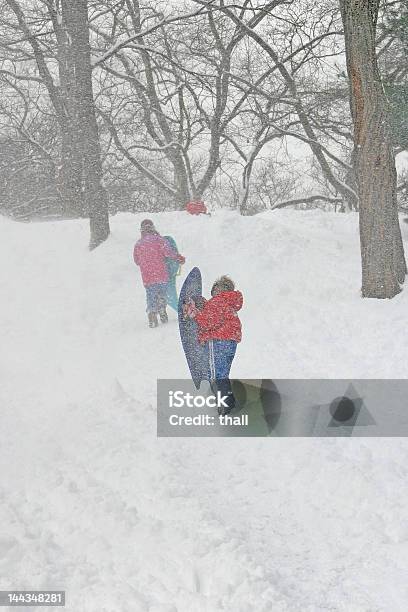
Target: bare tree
[288,74]
[71,97]
[75,16]
[69,176]
[182,81]
[382,252]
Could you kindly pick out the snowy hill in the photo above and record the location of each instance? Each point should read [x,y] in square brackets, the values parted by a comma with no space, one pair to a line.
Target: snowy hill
[93,503]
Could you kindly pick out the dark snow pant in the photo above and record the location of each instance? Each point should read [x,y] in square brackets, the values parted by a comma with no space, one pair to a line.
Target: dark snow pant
[156,297]
[221,354]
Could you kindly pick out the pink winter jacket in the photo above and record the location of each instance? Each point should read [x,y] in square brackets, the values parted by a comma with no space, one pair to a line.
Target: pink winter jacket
[150,254]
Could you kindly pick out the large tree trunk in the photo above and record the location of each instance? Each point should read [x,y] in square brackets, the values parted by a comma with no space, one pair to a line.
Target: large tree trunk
[75,14]
[382,253]
[181,184]
[351,180]
[69,179]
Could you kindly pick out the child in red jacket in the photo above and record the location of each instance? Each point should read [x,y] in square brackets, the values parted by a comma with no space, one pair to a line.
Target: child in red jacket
[220,327]
[150,254]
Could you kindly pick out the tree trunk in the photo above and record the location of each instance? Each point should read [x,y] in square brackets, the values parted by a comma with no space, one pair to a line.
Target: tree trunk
[382,253]
[69,179]
[75,14]
[181,184]
[351,180]
[245,187]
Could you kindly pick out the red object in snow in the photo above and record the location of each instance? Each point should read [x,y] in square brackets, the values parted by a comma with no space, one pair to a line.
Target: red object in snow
[196,207]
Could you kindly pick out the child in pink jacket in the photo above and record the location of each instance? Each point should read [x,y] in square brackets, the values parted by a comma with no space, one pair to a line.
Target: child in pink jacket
[150,255]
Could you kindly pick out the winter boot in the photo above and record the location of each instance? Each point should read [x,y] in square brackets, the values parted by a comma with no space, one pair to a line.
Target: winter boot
[230,401]
[163,315]
[153,322]
[224,387]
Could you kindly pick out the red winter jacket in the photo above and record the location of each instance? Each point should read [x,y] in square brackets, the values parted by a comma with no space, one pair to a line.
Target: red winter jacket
[218,320]
[150,254]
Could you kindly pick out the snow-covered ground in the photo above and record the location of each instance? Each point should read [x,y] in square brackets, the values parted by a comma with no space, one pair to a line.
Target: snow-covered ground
[93,503]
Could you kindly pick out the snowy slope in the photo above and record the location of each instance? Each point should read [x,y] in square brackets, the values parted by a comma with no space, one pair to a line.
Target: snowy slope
[93,503]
